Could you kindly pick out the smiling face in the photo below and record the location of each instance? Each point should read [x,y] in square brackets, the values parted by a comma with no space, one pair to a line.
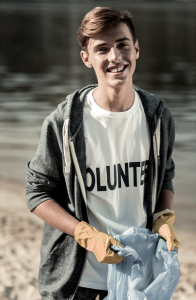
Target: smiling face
[113,56]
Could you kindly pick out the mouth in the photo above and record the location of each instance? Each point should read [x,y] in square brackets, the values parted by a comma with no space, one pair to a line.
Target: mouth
[117,70]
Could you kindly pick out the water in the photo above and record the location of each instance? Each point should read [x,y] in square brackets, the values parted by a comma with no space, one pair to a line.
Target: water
[40,64]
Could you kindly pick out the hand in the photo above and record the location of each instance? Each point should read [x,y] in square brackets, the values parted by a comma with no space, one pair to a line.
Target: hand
[164,226]
[98,242]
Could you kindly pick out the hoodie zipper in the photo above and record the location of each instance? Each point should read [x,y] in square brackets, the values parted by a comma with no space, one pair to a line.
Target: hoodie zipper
[67,146]
[155,173]
[156,148]
[83,190]
[72,297]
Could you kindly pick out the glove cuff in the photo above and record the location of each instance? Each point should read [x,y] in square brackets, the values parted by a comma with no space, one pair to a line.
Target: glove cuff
[81,227]
[165,211]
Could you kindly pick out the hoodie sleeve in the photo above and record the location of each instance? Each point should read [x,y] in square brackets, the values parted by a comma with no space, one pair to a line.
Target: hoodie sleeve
[44,171]
[170,165]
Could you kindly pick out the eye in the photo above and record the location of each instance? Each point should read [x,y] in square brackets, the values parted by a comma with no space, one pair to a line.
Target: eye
[101,49]
[123,45]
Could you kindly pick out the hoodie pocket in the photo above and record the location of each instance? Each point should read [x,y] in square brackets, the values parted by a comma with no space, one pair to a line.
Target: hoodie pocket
[57,263]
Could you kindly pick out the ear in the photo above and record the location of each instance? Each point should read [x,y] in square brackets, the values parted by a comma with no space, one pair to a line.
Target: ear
[85,57]
[137,49]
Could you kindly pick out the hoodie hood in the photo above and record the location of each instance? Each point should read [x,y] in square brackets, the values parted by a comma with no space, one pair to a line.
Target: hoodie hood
[71,112]
[72,108]
[153,107]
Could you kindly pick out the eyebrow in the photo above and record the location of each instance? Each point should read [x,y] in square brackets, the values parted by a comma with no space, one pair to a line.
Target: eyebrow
[119,40]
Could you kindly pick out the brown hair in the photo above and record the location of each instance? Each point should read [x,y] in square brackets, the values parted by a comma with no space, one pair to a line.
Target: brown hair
[100,19]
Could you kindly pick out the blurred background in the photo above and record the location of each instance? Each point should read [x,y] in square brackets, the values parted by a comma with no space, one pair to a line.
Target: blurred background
[39,65]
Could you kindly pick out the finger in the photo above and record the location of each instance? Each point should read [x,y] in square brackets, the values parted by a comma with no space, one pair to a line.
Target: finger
[176,244]
[170,243]
[115,242]
[111,258]
[119,244]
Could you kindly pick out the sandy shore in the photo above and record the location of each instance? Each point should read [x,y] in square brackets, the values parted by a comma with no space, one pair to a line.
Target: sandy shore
[21,234]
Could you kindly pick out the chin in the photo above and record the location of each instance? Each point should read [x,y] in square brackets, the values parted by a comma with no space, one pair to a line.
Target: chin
[117,83]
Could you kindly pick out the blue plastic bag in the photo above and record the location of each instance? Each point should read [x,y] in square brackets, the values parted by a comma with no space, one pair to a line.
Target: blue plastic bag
[148,272]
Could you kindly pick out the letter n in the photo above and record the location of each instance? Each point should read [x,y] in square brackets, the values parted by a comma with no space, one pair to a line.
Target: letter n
[125,176]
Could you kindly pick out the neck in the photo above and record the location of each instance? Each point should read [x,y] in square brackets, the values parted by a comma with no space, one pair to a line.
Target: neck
[114,99]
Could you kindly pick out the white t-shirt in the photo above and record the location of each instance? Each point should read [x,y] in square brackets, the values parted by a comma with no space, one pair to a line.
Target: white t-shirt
[117,153]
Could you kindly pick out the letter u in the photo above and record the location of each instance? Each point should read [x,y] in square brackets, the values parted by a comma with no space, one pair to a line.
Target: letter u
[111,186]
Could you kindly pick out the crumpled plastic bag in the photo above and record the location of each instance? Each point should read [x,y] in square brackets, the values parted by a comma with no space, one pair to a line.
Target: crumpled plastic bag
[149,270]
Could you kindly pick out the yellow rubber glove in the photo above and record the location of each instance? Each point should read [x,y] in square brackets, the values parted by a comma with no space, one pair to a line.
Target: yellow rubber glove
[98,242]
[164,226]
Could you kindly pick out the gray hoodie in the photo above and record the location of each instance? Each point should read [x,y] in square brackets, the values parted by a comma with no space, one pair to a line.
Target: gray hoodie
[58,171]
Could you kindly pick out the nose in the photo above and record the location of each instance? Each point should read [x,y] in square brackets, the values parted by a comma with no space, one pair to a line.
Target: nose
[114,55]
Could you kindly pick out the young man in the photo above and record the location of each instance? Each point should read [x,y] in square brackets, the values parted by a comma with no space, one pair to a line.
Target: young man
[93,175]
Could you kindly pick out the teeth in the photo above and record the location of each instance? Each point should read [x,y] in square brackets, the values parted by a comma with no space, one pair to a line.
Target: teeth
[117,70]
